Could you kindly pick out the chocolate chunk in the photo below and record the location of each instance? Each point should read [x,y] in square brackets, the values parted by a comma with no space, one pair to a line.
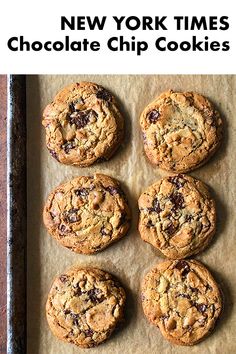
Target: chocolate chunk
[63,278]
[68,146]
[208,287]
[93,295]
[82,192]
[71,215]
[178,200]
[104,95]
[178,181]
[201,307]
[149,223]
[74,315]
[186,296]
[62,228]
[188,217]
[183,267]
[112,190]
[194,290]
[67,312]
[88,332]
[153,116]
[54,154]
[52,215]
[122,220]
[105,232]
[170,230]
[78,290]
[81,118]
[155,206]
[75,318]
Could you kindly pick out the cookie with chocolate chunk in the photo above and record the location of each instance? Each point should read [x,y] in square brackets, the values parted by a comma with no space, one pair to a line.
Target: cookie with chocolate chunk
[177,216]
[84,306]
[182,299]
[83,124]
[181,130]
[87,213]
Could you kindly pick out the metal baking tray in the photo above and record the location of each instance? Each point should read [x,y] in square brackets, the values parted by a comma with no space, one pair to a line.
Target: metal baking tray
[16,215]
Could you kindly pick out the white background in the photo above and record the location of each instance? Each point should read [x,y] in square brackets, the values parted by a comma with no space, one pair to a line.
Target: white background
[40,20]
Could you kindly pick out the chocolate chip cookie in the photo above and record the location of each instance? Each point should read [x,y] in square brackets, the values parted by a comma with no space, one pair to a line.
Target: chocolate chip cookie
[181,130]
[83,124]
[87,213]
[84,306]
[182,299]
[177,216]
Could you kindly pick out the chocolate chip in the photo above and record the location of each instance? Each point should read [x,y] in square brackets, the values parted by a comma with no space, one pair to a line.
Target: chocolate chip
[82,192]
[71,215]
[63,278]
[178,181]
[112,190]
[67,312]
[68,146]
[54,154]
[177,200]
[153,116]
[201,307]
[104,95]
[183,267]
[170,230]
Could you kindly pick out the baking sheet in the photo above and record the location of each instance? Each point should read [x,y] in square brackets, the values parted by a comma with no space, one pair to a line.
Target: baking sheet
[130,258]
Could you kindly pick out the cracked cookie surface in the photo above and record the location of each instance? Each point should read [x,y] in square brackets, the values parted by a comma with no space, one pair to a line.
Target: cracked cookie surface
[84,306]
[182,299]
[177,216]
[83,124]
[87,213]
[181,130]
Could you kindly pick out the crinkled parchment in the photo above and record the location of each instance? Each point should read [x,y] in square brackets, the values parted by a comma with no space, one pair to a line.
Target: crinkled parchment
[130,258]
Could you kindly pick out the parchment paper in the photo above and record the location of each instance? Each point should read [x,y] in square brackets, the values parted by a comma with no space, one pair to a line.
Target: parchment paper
[130,258]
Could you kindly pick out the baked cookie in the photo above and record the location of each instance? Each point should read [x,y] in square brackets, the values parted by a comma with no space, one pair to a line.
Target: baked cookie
[84,306]
[181,130]
[83,124]
[87,213]
[177,216]
[182,299]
